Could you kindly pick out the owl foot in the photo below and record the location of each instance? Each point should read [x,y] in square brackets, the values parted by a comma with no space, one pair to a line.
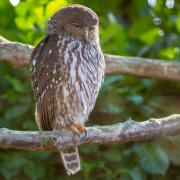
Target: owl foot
[77,129]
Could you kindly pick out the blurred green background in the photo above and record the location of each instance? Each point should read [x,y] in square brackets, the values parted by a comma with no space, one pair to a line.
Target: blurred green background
[147,28]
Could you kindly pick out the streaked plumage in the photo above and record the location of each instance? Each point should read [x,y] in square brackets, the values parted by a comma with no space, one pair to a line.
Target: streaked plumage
[67,69]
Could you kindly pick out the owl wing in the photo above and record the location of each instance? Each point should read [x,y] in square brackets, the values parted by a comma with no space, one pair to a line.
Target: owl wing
[41,67]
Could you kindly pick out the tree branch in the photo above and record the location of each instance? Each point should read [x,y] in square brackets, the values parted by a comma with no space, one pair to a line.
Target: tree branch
[18,55]
[130,131]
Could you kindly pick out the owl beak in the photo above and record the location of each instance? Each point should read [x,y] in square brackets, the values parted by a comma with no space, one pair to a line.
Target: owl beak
[86,35]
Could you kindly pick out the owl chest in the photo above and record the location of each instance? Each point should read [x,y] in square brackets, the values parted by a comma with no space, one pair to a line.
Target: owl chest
[76,66]
[79,87]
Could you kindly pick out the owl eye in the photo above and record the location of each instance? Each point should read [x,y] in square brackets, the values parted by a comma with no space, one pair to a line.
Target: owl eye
[92,28]
[76,25]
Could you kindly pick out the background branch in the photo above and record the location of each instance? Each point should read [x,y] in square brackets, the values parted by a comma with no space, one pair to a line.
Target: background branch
[18,55]
[129,131]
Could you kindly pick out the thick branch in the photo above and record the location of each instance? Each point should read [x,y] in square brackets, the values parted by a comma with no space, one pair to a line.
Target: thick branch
[15,53]
[18,55]
[130,131]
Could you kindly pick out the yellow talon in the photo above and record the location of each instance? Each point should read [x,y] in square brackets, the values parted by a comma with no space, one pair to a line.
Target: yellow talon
[81,128]
[77,128]
[74,129]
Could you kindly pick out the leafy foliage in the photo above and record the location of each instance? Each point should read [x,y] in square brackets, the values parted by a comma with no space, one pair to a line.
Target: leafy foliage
[132,28]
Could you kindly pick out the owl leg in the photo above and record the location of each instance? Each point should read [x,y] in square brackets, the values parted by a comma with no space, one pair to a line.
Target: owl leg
[78,128]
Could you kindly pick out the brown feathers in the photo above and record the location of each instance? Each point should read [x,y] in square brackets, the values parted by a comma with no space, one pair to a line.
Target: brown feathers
[67,70]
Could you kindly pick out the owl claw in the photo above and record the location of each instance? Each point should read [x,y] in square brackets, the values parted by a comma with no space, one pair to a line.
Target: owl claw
[74,129]
[85,133]
[78,129]
[81,128]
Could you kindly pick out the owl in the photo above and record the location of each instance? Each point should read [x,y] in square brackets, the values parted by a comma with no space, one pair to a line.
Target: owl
[67,70]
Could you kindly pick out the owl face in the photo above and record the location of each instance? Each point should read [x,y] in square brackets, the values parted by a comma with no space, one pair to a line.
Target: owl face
[81,31]
[77,21]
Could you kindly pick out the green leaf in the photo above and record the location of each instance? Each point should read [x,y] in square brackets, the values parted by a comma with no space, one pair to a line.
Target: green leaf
[152,158]
[10,95]
[140,26]
[111,108]
[178,22]
[21,21]
[113,39]
[136,99]
[16,83]
[169,53]
[113,155]
[14,112]
[171,146]
[5,69]
[34,170]
[150,36]
[11,166]
[109,80]
[29,124]
[54,6]
[136,173]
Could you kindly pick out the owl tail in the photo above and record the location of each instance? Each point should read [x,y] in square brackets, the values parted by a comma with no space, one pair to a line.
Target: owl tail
[71,161]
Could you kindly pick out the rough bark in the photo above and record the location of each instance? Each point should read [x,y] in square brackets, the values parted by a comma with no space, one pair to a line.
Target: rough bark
[129,131]
[18,55]
[15,53]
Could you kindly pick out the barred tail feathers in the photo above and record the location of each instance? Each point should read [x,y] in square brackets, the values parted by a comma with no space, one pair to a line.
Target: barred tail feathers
[71,161]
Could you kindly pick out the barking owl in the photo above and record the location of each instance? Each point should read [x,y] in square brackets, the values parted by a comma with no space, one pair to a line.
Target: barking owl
[67,70]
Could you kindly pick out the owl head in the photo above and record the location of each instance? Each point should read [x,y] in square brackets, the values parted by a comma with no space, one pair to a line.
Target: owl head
[77,21]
